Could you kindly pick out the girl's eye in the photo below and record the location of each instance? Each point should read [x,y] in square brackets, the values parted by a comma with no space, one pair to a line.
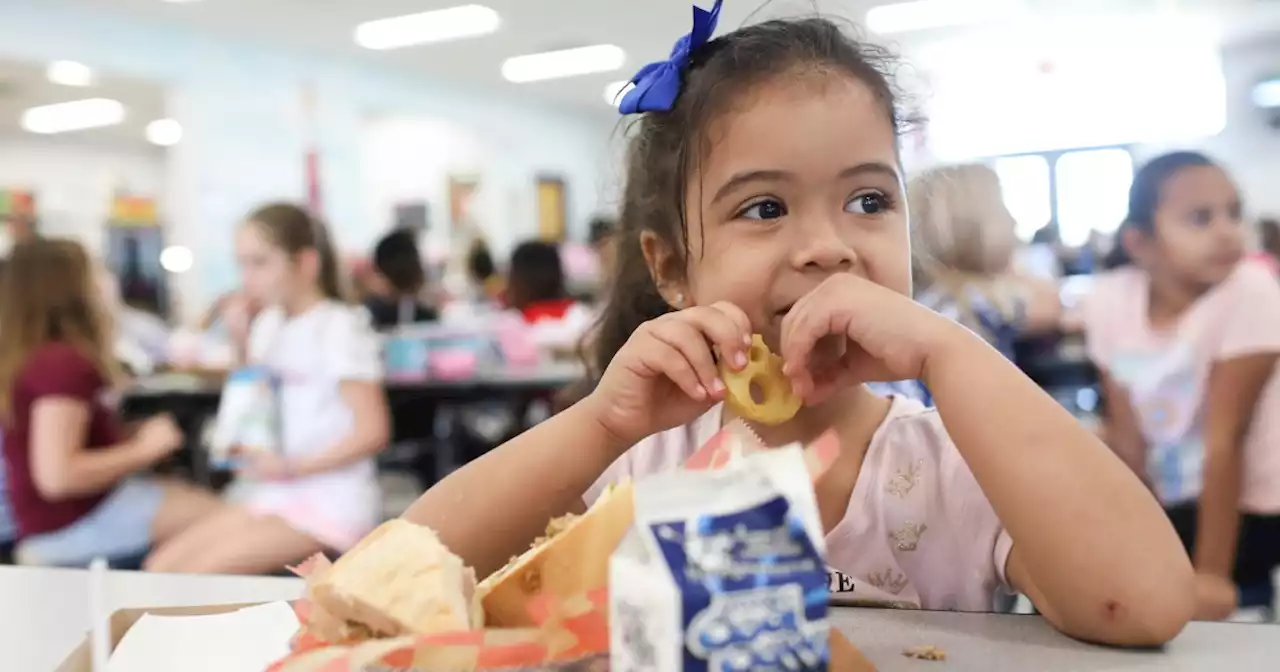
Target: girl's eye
[868,203]
[764,210]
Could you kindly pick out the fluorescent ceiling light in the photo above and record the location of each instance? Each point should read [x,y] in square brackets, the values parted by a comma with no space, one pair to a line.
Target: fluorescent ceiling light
[1267,94]
[73,116]
[177,259]
[69,73]
[564,63]
[925,14]
[164,132]
[439,25]
[614,91]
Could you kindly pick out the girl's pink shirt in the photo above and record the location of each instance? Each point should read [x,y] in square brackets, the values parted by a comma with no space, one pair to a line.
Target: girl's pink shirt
[1165,374]
[918,531]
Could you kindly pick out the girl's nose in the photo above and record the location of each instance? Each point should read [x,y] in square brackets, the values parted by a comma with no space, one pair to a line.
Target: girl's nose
[819,246]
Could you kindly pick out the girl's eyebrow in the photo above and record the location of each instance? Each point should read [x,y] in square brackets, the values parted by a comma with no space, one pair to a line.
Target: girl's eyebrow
[746,177]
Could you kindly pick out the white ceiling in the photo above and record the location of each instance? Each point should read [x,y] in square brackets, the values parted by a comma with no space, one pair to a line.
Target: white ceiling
[644,28]
[24,85]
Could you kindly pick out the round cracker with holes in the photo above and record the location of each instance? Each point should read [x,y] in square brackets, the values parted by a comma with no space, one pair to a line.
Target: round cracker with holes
[760,392]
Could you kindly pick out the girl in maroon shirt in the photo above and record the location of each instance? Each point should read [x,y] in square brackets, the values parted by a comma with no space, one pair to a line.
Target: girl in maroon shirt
[69,465]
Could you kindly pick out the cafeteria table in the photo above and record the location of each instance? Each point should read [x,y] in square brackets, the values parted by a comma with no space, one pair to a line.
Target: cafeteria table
[45,613]
[193,400]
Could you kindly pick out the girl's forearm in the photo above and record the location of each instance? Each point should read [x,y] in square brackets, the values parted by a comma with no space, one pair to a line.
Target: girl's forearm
[1231,397]
[89,472]
[1093,540]
[350,450]
[492,508]
[1218,518]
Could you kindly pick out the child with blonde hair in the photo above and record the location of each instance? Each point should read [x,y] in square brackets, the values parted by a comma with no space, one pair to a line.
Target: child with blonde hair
[965,242]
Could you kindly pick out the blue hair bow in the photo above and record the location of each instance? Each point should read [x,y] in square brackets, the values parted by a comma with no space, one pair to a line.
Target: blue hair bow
[657,85]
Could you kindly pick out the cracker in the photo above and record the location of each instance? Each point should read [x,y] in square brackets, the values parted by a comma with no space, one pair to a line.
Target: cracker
[764,372]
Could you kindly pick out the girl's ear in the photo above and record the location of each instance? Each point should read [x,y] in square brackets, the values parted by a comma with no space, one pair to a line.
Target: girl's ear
[308,264]
[1136,243]
[664,268]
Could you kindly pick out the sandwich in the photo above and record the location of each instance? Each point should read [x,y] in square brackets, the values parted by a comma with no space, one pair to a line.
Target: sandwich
[571,559]
[400,580]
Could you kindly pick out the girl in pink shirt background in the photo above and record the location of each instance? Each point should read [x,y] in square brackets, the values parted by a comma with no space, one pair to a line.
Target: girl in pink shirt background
[1186,336]
[764,194]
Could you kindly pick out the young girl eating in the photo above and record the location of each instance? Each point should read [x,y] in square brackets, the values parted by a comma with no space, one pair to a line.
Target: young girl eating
[764,195]
[320,493]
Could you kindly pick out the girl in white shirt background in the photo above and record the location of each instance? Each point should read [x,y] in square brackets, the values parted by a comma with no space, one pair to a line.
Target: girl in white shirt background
[320,492]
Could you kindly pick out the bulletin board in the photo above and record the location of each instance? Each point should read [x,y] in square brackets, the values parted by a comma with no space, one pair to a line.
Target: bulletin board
[17,213]
[135,239]
[551,209]
[462,189]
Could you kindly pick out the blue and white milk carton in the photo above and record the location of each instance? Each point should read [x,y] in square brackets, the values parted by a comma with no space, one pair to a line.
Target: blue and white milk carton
[722,571]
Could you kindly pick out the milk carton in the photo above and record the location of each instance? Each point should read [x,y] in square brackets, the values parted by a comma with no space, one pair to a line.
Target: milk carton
[248,419]
[722,571]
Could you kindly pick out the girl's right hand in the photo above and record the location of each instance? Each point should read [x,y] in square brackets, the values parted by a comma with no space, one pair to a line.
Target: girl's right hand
[665,375]
[158,436]
[238,311]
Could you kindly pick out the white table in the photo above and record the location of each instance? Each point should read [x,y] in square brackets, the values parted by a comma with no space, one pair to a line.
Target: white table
[44,613]
[1018,643]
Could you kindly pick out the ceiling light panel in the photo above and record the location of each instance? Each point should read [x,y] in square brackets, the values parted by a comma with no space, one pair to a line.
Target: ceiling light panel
[564,63]
[441,25]
[164,132]
[69,73]
[73,116]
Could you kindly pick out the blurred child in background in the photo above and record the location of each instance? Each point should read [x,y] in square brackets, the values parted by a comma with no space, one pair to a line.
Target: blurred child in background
[320,493]
[400,282]
[141,339]
[965,244]
[487,284]
[8,526]
[536,287]
[536,282]
[1186,337]
[69,463]
[1269,239]
[602,236]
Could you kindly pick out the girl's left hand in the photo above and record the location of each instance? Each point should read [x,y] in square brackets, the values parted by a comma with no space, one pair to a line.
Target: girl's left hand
[1216,597]
[266,467]
[850,330]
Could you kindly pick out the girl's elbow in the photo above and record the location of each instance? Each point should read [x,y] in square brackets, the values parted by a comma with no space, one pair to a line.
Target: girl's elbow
[52,487]
[379,438]
[1152,620]
[375,435]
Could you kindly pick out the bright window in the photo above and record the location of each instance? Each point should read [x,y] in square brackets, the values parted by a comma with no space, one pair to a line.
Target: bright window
[1026,185]
[1093,192]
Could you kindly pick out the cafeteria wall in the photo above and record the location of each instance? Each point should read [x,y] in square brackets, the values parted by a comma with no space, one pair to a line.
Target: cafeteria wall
[250,113]
[75,181]
[1247,145]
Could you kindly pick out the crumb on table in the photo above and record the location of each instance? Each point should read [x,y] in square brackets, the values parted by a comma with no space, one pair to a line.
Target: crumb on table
[925,652]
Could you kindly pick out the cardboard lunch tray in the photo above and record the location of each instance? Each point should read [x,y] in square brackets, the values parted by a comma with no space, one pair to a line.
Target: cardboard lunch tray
[81,658]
